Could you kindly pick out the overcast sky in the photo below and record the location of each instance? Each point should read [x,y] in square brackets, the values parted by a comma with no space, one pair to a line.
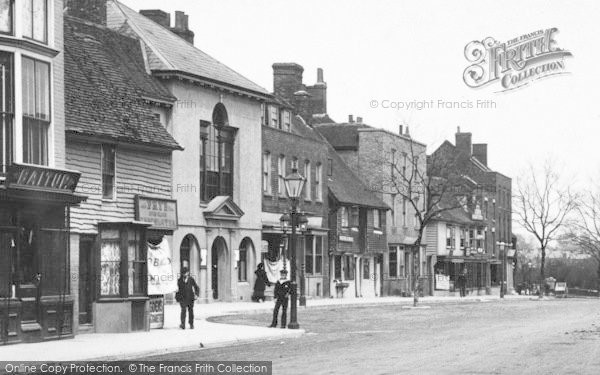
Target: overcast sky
[405,51]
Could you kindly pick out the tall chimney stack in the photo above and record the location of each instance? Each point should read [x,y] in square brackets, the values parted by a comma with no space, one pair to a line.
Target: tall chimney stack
[350,119]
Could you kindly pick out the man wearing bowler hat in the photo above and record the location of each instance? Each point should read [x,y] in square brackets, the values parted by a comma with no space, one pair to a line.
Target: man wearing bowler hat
[282,291]
[187,293]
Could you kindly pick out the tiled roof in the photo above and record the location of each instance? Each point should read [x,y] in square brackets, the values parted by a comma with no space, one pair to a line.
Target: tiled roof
[300,128]
[349,189]
[106,85]
[341,136]
[169,52]
[457,216]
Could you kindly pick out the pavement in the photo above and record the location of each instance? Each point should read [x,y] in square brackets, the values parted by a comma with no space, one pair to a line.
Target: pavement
[171,339]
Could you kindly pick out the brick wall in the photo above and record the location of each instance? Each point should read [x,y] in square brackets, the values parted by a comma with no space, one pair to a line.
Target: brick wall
[278,142]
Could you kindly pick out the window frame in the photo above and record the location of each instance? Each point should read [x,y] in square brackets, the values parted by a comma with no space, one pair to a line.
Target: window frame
[266,173]
[113,147]
[38,123]
[46,25]
[307,182]
[376,218]
[393,270]
[11,15]
[318,182]
[242,265]
[281,171]
[217,153]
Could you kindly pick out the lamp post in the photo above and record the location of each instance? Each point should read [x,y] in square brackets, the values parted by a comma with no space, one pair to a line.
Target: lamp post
[503,247]
[294,183]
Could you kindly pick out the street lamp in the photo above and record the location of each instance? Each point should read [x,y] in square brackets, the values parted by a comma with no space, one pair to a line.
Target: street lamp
[294,183]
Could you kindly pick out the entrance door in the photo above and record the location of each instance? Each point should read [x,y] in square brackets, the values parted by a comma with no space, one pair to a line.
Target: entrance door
[215,271]
[85,281]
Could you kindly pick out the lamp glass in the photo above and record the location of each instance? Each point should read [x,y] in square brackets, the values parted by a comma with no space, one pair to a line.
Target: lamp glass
[294,184]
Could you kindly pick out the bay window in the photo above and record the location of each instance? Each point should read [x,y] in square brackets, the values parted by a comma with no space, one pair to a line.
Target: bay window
[7,110]
[35,20]
[6,16]
[36,110]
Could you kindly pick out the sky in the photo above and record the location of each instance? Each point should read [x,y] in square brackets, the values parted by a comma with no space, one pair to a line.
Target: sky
[402,51]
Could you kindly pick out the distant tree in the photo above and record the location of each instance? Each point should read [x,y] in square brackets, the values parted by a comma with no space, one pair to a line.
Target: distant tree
[428,184]
[542,206]
[585,229]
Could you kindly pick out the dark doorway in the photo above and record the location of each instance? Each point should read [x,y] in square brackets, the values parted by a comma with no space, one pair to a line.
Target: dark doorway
[85,280]
[215,270]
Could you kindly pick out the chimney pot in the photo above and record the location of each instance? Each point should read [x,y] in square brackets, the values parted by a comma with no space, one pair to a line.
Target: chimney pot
[359,120]
[350,119]
[320,75]
[400,129]
[160,17]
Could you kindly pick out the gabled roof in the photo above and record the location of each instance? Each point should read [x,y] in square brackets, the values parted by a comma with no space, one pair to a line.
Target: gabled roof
[170,53]
[107,87]
[349,189]
[341,136]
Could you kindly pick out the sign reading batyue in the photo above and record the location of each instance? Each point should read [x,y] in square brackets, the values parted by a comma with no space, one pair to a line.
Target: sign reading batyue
[514,63]
[162,213]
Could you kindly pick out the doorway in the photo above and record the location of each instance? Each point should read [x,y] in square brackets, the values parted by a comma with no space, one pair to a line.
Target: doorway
[219,269]
[85,280]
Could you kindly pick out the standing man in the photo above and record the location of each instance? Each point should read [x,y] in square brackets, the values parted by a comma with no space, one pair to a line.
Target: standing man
[462,282]
[188,291]
[282,291]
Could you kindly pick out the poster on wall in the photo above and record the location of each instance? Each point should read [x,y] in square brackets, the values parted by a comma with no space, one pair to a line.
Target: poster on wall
[442,282]
[161,279]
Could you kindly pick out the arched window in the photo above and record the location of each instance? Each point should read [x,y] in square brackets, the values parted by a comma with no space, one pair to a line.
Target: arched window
[216,155]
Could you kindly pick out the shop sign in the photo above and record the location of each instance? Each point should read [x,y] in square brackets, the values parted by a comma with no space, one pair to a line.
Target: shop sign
[162,213]
[42,178]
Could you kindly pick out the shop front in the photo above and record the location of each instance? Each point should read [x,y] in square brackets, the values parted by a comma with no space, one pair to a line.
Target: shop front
[448,270]
[35,300]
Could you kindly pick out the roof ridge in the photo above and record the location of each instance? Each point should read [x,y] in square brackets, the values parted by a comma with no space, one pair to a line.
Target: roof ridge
[132,24]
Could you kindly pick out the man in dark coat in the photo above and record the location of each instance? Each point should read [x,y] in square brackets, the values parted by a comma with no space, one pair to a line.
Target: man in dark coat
[462,283]
[283,289]
[188,291]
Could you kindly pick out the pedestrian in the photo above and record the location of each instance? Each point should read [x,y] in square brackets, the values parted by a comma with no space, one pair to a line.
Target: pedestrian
[260,283]
[186,295]
[462,283]
[282,291]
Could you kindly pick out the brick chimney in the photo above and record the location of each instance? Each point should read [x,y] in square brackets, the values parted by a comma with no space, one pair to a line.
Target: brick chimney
[182,28]
[159,16]
[287,80]
[480,152]
[318,93]
[90,10]
[350,119]
[301,101]
[463,143]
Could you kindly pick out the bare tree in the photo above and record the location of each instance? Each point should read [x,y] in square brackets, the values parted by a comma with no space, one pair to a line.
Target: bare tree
[585,228]
[542,206]
[428,184]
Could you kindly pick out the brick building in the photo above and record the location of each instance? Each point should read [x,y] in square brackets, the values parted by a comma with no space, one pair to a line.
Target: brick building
[494,195]
[383,160]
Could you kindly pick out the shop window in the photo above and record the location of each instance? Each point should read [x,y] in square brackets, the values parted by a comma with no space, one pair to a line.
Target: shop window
[7,109]
[242,265]
[110,265]
[216,156]
[108,171]
[366,269]
[393,262]
[462,238]
[6,16]
[136,255]
[123,260]
[406,263]
[36,110]
[35,20]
